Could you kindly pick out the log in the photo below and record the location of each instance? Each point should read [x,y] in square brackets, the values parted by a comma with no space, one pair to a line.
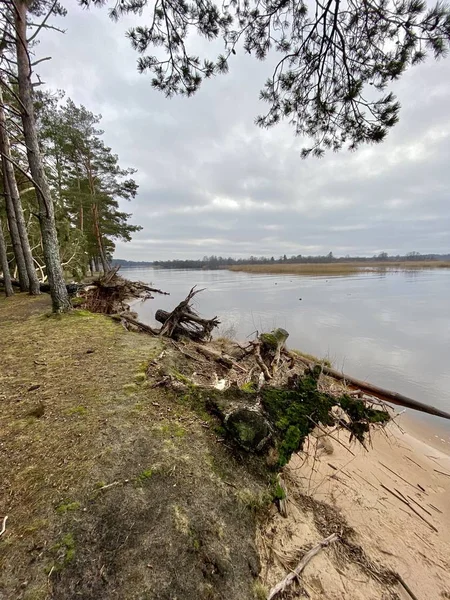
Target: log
[72,288]
[381,393]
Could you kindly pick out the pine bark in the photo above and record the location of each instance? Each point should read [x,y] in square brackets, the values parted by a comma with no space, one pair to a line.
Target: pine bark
[5,147]
[14,234]
[58,291]
[4,264]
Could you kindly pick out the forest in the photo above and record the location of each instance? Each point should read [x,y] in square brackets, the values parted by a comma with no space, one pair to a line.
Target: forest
[217,262]
[61,184]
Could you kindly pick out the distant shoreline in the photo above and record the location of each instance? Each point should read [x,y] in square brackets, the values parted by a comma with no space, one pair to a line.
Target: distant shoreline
[340,268]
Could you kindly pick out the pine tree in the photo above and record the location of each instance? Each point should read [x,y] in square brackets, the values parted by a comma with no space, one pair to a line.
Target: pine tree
[336,62]
[87,180]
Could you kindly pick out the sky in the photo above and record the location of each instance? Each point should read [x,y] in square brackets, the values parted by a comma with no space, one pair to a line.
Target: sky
[212,182]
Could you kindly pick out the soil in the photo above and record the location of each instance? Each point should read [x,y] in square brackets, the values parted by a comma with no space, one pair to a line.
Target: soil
[112,489]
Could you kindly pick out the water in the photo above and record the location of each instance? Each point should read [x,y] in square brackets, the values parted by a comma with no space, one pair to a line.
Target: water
[391,329]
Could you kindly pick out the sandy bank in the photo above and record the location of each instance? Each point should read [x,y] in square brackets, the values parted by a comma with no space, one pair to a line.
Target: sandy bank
[396,498]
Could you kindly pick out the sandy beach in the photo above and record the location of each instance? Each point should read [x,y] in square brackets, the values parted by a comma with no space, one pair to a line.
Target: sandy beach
[391,504]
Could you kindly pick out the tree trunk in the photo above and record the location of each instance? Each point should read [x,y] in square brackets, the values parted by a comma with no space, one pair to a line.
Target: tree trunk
[4,264]
[106,266]
[14,234]
[5,148]
[58,291]
[91,266]
[97,264]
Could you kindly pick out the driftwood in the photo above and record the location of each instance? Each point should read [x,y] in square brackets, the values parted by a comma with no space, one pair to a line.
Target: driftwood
[379,392]
[184,321]
[295,574]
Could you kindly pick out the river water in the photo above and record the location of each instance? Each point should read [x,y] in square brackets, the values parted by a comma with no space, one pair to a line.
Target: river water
[391,329]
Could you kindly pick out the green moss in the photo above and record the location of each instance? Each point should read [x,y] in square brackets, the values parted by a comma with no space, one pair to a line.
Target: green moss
[78,301]
[83,313]
[182,378]
[278,492]
[140,377]
[130,388]
[248,387]
[67,507]
[269,340]
[77,410]
[145,476]
[65,553]
[296,412]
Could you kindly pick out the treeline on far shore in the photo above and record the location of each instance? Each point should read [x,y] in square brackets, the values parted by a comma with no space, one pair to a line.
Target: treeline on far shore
[219,262]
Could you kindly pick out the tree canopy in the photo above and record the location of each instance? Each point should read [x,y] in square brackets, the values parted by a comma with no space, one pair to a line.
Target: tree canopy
[336,57]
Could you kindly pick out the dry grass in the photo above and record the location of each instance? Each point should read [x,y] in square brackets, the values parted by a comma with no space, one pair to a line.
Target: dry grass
[93,464]
[341,268]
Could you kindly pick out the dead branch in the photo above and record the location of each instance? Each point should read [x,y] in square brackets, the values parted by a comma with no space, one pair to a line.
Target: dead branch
[3,525]
[136,323]
[219,357]
[291,577]
[402,499]
[442,472]
[406,586]
[259,360]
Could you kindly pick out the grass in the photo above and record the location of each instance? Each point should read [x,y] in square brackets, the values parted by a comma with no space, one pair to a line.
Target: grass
[341,268]
[101,425]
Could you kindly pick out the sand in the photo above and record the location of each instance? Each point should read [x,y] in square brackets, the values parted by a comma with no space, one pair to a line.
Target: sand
[388,534]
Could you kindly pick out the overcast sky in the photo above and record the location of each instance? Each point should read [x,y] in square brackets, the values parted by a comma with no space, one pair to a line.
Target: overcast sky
[211,182]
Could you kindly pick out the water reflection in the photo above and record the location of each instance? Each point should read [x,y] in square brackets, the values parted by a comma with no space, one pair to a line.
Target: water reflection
[391,328]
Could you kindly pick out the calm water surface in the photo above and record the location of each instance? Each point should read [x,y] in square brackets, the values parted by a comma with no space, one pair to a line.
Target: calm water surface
[391,329]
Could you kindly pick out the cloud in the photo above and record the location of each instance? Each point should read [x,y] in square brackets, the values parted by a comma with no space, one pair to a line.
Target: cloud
[211,182]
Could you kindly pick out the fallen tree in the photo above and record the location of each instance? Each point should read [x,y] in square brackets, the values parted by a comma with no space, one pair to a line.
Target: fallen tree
[111,293]
[185,321]
[381,393]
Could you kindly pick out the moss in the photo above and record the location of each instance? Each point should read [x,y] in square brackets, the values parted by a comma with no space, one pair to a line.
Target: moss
[140,377]
[67,507]
[145,476]
[182,378]
[269,340]
[260,592]
[248,387]
[78,301]
[77,410]
[172,430]
[296,412]
[82,313]
[65,553]
[278,492]
[130,388]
